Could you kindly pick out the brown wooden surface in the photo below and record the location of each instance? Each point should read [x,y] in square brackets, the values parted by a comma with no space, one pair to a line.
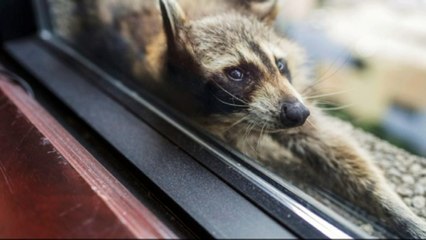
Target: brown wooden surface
[50,186]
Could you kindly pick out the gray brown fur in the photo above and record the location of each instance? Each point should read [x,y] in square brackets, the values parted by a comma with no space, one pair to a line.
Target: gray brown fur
[206,39]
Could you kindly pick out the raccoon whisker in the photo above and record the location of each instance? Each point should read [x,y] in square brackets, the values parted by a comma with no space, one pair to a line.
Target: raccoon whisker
[345,60]
[237,122]
[248,134]
[247,131]
[310,123]
[260,135]
[230,94]
[274,130]
[326,77]
[279,130]
[312,87]
[323,102]
[327,94]
[337,108]
[231,104]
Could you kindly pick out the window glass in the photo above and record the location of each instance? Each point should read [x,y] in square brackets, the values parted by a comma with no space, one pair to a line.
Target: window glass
[264,77]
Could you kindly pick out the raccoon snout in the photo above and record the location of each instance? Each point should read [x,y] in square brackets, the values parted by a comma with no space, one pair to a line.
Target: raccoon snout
[293,114]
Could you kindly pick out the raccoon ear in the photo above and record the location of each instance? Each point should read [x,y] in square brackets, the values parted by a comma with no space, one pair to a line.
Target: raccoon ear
[173,19]
[265,10]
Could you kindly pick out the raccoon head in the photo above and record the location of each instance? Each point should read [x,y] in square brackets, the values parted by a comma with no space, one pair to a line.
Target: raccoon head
[238,64]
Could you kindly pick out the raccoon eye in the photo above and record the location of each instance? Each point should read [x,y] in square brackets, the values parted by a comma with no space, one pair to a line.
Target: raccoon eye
[235,74]
[282,65]
[283,68]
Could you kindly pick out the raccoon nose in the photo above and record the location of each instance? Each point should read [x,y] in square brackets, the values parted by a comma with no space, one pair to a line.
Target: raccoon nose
[293,114]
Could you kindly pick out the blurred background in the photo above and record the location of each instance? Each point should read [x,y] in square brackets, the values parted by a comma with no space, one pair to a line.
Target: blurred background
[368,59]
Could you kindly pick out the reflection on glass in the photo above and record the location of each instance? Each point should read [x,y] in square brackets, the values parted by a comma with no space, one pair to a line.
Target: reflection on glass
[223,64]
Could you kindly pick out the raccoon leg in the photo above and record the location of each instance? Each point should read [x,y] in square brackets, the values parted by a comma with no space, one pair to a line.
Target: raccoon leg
[340,166]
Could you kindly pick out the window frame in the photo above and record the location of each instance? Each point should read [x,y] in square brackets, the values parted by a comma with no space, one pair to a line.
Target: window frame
[258,190]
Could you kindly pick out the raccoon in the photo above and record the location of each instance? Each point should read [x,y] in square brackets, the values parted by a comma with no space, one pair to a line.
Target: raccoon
[244,83]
